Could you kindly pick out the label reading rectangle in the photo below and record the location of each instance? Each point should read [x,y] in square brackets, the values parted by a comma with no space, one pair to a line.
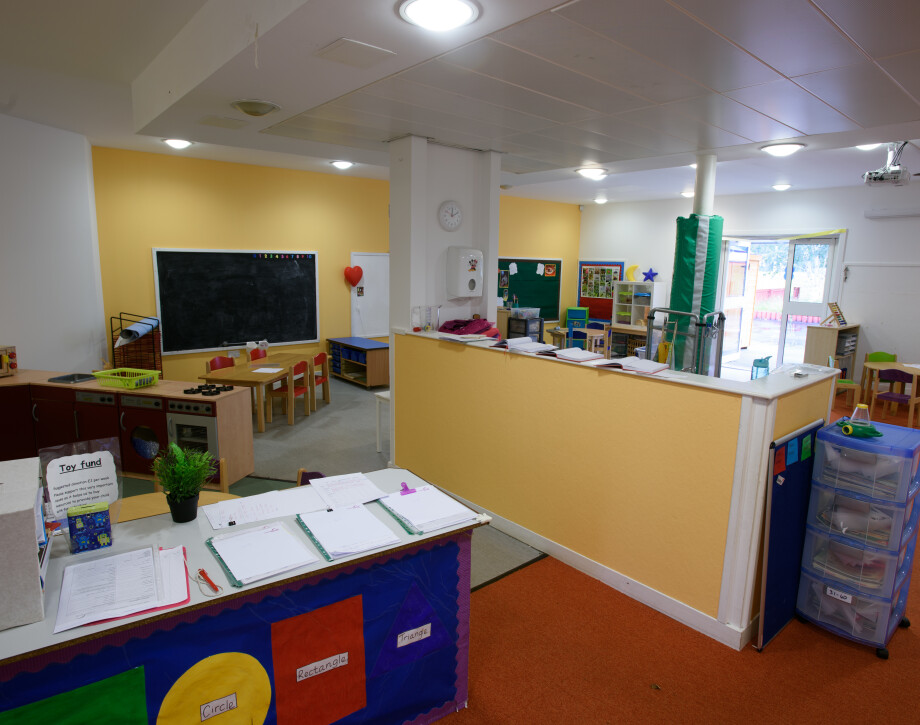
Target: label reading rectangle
[218,706]
[318,668]
[413,635]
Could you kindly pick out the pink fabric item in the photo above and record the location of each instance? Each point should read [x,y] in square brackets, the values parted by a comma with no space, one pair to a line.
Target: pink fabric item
[465,327]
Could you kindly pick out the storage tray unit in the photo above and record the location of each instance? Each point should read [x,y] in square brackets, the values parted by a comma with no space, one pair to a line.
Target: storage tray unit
[867,521]
[881,468]
[855,615]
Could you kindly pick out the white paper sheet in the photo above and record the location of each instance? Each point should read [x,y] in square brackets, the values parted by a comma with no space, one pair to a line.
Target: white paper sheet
[268,370]
[299,500]
[350,530]
[577,354]
[263,507]
[113,586]
[253,554]
[428,509]
[347,490]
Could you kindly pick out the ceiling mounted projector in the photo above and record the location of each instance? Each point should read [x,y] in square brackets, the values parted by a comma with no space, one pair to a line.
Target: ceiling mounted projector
[892,172]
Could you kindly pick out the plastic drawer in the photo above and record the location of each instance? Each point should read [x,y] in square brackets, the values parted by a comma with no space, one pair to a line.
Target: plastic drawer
[882,468]
[858,616]
[860,568]
[878,523]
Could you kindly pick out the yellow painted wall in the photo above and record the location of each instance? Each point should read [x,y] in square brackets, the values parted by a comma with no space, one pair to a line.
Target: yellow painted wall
[640,477]
[544,229]
[154,200]
[801,408]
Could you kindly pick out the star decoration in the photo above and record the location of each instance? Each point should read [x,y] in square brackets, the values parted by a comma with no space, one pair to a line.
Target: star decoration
[649,276]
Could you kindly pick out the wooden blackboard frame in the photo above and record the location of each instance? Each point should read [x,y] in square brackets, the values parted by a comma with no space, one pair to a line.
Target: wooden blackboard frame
[257,293]
[538,289]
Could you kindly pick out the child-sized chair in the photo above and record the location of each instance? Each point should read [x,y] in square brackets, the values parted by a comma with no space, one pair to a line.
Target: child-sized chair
[852,388]
[219,362]
[910,399]
[288,391]
[320,377]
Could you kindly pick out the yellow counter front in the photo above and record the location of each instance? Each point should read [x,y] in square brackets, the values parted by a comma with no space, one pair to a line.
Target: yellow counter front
[653,484]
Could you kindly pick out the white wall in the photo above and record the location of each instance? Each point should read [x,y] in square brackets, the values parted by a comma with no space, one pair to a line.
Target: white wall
[50,280]
[881,263]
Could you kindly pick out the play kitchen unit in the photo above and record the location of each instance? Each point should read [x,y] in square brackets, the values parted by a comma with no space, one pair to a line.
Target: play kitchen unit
[43,409]
[861,532]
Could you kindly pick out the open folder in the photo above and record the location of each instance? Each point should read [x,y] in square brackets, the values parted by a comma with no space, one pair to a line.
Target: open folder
[424,509]
[258,553]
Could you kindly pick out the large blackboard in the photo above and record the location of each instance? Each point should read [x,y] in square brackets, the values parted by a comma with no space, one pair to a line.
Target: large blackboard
[208,300]
[536,284]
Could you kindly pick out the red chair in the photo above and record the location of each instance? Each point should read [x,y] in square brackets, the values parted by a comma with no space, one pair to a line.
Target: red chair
[287,392]
[219,362]
[257,354]
[320,377]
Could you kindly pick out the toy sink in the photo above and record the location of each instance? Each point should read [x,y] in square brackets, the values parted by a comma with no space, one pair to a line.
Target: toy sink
[72,378]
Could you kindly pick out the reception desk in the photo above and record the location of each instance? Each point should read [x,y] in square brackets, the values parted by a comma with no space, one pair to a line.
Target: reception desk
[652,484]
[252,650]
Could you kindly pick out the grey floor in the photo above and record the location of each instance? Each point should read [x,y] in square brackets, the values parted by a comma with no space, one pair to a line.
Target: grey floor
[341,437]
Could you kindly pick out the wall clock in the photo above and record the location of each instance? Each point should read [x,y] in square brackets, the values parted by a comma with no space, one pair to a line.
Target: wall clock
[450,216]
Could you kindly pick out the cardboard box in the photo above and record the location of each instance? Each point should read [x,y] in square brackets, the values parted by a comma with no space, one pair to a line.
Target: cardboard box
[21,599]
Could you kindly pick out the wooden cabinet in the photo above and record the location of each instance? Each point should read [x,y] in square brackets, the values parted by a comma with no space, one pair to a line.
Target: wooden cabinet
[63,415]
[16,437]
[360,360]
[837,342]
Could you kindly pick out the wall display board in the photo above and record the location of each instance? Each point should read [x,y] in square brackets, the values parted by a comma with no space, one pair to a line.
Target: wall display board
[212,299]
[535,283]
[595,287]
[788,488]
[370,298]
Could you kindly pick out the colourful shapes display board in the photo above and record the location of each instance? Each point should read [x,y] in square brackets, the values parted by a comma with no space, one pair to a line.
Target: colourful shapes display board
[116,700]
[318,660]
[416,632]
[232,685]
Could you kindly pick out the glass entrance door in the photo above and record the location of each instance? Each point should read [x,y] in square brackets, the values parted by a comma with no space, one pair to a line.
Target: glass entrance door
[806,294]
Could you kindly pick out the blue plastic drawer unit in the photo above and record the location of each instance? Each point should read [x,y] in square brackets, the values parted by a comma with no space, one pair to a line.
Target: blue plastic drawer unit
[868,521]
[855,615]
[881,468]
[857,566]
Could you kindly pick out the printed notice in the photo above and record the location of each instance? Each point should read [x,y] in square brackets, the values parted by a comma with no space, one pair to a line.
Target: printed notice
[81,479]
[218,707]
[413,635]
[318,668]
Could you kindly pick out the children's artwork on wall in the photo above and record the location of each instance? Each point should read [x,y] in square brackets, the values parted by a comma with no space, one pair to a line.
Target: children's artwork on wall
[503,278]
[595,287]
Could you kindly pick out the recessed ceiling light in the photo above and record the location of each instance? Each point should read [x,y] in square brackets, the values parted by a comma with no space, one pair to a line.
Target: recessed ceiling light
[439,15]
[782,187]
[868,146]
[687,194]
[782,149]
[177,143]
[255,108]
[592,172]
[342,164]
[692,166]
[601,200]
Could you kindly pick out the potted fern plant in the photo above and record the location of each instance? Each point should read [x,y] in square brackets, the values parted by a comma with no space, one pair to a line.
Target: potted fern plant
[182,473]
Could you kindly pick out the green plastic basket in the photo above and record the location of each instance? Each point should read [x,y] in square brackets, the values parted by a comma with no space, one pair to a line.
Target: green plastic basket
[129,378]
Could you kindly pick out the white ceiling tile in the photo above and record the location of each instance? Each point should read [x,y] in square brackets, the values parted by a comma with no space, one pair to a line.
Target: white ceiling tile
[507,64]
[789,35]
[880,27]
[729,115]
[588,139]
[473,85]
[637,134]
[571,144]
[793,106]
[444,101]
[863,93]
[657,30]
[668,121]
[552,37]
[905,69]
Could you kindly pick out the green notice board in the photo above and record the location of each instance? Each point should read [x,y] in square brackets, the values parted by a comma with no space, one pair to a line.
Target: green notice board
[536,282]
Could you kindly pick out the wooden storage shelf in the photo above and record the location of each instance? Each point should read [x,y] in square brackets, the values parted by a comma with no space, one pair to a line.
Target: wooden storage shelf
[359,360]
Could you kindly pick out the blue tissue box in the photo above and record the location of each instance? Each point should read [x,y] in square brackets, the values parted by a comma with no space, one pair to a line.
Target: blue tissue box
[90,527]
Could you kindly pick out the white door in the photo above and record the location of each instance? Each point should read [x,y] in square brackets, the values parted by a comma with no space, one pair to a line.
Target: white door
[808,284]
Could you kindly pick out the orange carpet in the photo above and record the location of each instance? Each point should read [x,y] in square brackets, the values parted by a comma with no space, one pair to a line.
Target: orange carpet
[552,645]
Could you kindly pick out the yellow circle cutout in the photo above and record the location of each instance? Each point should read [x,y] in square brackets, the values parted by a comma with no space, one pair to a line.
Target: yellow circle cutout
[231,688]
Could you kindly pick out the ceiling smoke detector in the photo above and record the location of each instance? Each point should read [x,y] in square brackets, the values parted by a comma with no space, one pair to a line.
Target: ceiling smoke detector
[255,108]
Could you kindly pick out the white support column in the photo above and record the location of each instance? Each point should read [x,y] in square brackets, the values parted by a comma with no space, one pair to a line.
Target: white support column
[705,187]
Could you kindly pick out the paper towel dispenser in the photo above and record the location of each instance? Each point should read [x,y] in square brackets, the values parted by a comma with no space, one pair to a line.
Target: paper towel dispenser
[464,272]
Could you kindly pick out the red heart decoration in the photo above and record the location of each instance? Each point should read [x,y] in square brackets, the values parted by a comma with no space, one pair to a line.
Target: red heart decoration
[353,275]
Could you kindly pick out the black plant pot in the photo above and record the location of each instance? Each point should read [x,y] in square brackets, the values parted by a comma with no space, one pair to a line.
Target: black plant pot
[184,510]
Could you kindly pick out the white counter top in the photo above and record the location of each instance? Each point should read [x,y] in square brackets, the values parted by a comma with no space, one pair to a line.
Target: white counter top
[780,382]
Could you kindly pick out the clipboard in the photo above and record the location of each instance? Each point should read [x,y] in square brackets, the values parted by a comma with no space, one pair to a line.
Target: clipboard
[319,546]
[271,542]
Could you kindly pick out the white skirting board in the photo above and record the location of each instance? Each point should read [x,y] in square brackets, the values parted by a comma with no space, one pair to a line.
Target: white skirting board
[703,623]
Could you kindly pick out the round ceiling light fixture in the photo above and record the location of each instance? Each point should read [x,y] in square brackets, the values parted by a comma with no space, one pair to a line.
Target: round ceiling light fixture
[177,143]
[439,15]
[687,194]
[782,187]
[600,200]
[782,149]
[592,172]
[252,107]
[868,146]
[342,165]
